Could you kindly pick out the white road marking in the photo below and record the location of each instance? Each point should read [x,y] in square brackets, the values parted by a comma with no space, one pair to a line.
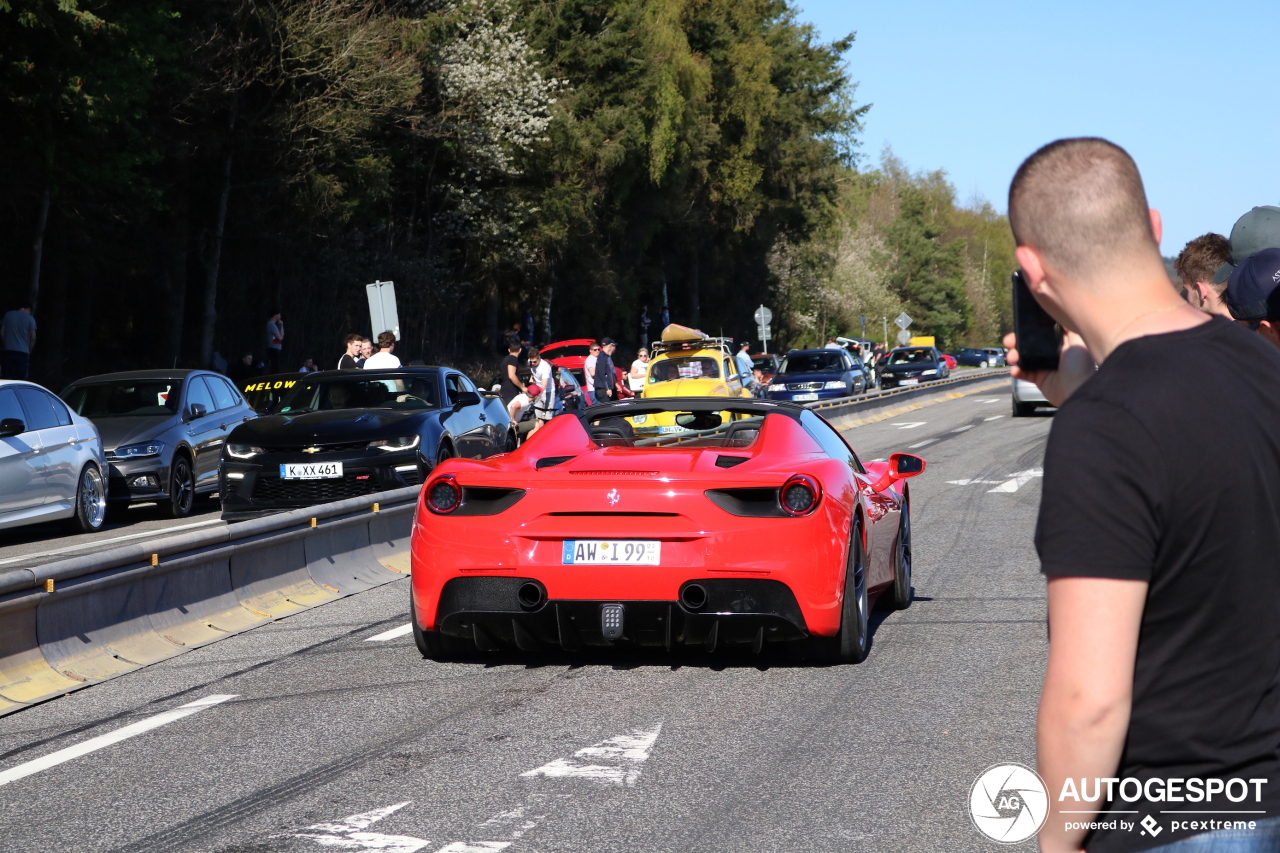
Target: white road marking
[349,834]
[973,482]
[986,401]
[910,425]
[994,418]
[1018,480]
[615,761]
[94,744]
[474,847]
[390,635]
[922,443]
[98,543]
[963,428]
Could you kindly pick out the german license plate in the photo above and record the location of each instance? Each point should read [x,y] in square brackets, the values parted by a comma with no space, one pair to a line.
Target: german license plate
[671,430]
[909,382]
[598,552]
[801,398]
[310,470]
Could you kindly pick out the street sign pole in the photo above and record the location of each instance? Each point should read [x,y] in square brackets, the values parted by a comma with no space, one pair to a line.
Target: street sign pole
[763,318]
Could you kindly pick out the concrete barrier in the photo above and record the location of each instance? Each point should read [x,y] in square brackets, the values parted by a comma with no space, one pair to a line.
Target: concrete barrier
[865,408]
[76,622]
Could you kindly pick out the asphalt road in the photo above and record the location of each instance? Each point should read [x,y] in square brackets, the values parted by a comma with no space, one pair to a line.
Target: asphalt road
[332,740]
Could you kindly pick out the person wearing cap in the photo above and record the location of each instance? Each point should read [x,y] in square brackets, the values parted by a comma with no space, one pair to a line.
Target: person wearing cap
[743,359]
[605,380]
[521,402]
[1257,230]
[1196,265]
[1253,294]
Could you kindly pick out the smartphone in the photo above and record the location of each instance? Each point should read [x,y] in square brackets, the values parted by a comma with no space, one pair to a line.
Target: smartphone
[1039,335]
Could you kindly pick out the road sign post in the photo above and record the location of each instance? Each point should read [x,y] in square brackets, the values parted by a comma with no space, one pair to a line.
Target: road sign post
[382,307]
[763,318]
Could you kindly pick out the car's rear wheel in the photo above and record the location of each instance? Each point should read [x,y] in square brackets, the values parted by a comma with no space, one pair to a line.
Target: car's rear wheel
[91,501]
[432,644]
[900,597]
[850,644]
[1023,410]
[182,488]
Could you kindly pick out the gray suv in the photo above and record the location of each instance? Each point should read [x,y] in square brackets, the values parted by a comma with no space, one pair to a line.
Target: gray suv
[162,431]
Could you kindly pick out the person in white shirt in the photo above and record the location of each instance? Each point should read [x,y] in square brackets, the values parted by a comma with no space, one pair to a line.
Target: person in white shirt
[589,373]
[639,370]
[832,343]
[745,367]
[383,358]
[544,402]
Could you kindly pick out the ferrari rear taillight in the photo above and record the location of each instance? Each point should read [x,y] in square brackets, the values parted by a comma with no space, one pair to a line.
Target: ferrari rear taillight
[444,495]
[799,495]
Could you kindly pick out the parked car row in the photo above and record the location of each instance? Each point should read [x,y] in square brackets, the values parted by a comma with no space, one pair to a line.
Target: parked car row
[278,442]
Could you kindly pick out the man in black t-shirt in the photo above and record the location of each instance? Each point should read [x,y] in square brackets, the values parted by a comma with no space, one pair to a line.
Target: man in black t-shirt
[511,373]
[1160,714]
[349,360]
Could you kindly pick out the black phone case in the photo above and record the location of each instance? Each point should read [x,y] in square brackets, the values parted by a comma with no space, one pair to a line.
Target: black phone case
[1039,336]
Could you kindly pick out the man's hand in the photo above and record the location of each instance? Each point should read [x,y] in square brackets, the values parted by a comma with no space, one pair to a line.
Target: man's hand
[1075,367]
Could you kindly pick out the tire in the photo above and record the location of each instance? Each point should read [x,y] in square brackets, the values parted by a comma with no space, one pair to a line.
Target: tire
[91,501]
[432,644]
[182,488]
[850,644]
[1023,410]
[445,452]
[899,597]
[511,443]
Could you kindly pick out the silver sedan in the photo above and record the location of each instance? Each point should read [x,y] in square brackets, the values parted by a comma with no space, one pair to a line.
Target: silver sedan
[51,461]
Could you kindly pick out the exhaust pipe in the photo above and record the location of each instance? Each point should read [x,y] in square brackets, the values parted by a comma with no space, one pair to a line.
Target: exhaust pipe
[693,596]
[531,595]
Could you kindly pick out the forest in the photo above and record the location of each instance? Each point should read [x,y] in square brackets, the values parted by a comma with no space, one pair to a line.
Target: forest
[174,172]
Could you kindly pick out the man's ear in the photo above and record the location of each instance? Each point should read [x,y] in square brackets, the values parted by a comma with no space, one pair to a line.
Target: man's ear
[1270,329]
[1032,264]
[1157,226]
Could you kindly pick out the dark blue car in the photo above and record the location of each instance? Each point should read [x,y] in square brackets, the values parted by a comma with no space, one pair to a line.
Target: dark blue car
[817,374]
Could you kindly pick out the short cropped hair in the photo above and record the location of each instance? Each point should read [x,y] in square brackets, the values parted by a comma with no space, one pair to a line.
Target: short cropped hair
[1200,259]
[1080,202]
[353,337]
[386,340]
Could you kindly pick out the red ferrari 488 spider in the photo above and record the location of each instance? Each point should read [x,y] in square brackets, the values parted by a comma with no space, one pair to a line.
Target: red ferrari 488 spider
[750,522]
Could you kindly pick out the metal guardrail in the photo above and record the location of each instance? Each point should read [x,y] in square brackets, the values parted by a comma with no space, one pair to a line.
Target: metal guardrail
[79,621]
[853,408]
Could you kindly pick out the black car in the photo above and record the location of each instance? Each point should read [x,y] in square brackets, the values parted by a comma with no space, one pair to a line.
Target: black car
[912,365]
[162,431]
[817,374]
[974,357]
[346,433]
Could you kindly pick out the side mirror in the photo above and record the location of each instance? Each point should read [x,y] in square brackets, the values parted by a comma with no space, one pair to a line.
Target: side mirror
[466,398]
[196,411]
[902,466]
[12,426]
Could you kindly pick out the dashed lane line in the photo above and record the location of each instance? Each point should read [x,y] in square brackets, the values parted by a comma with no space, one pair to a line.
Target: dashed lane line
[927,441]
[390,635]
[994,418]
[62,756]
[963,428]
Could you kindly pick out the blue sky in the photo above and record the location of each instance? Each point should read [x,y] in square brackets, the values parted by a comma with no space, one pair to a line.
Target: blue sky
[1192,90]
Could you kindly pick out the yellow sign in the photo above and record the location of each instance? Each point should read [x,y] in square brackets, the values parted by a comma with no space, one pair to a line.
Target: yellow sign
[922,341]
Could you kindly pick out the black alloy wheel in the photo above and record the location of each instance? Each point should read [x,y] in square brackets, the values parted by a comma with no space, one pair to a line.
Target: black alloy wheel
[900,597]
[182,488]
[91,501]
[850,644]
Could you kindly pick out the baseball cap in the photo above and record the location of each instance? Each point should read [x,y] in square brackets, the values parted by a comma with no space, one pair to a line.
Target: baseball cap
[1257,230]
[1253,291]
[533,390]
[604,342]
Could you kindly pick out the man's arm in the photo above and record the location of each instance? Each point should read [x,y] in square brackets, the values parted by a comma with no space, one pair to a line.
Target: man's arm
[1088,690]
[31,341]
[513,375]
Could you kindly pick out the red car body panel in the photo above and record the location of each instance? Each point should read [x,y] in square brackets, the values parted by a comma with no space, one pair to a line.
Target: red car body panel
[658,493]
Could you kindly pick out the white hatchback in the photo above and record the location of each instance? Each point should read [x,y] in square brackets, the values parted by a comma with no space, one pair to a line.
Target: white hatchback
[51,461]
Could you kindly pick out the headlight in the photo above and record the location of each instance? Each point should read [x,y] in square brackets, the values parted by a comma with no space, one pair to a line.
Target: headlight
[778,387]
[405,442]
[639,419]
[837,383]
[137,451]
[930,372]
[244,451]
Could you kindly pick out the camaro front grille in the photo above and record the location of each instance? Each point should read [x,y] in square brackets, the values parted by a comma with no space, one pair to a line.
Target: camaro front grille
[324,448]
[276,490]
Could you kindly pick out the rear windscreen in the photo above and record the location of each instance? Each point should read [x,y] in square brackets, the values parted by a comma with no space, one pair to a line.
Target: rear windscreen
[678,429]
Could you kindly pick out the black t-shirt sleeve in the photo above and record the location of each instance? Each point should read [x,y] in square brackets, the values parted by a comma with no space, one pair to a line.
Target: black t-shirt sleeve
[1102,500]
